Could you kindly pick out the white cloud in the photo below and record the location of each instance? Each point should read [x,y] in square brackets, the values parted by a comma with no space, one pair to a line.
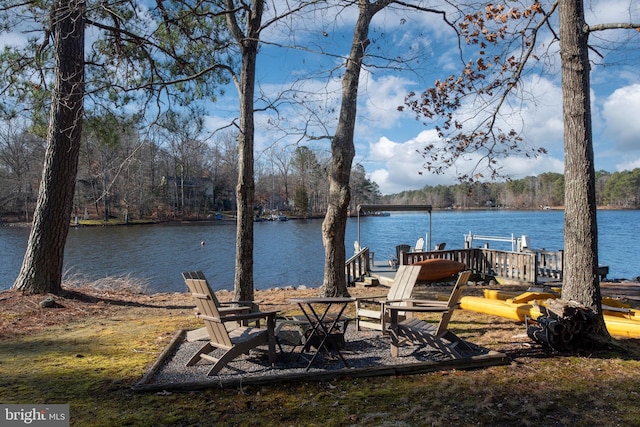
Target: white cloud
[541,116]
[610,11]
[535,111]
[620,112]
[628,165]
[401,166]
[218,123]
[382,98]
[397,164]
[521,167]
[12,40]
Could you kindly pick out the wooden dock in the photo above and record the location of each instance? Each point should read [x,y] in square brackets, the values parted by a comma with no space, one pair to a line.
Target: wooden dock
[528,267]
[383,272]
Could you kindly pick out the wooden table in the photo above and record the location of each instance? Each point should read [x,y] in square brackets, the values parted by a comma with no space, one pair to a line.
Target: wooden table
[316,311]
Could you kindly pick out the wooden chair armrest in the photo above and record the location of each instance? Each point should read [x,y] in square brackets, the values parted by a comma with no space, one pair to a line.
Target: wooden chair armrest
[359,302]
[240,306]
[418,309]
[426,302]
[394,301]
[227,311]
[212,318]
[250,316]
[371,297]
[415,301]
[245,303]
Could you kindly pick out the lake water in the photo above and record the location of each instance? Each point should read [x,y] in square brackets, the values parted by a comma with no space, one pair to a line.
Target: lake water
[291,252]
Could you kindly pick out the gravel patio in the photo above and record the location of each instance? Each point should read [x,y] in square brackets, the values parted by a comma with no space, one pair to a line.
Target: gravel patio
[367,353]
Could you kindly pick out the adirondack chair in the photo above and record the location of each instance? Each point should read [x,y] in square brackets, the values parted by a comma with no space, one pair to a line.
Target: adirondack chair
[225,307]
[232,343]
[422,332]
[370,310]
[440,246]
[419,247]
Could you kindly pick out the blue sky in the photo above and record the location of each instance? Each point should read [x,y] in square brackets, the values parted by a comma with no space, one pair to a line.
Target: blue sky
[387,140]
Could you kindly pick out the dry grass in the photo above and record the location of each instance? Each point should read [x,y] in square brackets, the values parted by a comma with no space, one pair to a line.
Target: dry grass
[99,342]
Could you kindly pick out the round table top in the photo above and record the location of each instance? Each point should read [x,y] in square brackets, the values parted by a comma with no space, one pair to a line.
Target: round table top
[322,300]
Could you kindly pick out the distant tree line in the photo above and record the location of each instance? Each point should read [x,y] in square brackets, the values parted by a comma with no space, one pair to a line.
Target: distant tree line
[169,171]
[617,190]
[172,172]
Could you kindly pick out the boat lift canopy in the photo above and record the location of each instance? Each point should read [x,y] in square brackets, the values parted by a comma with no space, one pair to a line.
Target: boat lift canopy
[395,208]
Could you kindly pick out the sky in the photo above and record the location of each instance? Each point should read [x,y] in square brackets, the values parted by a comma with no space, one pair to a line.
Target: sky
[388,141]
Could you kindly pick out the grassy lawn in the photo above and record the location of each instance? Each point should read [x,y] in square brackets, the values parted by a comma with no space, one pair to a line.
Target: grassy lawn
[89,353]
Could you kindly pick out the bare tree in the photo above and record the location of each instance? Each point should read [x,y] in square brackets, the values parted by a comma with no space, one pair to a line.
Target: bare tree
[304,161]
[101,140]
[224,169]
[21,156]
[247,40]
[342,153]
[181,134]
[284,162]
[244,20]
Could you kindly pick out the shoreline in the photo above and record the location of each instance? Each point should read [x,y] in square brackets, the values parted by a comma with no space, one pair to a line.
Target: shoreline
[230,218]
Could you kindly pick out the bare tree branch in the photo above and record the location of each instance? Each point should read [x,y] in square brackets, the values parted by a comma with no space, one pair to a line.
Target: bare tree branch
[613,26]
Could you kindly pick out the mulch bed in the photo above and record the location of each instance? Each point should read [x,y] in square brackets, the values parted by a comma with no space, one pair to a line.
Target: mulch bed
[366,353]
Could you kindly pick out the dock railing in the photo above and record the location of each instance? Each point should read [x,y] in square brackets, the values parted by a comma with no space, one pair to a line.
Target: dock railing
[550,264]
[358,266]
[530,266]
[466,256]
[519,266]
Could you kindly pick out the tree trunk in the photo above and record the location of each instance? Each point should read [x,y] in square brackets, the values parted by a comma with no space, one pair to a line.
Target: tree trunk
[342,153]
[245,188]
[581,280]
[41,270]
[105,191]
